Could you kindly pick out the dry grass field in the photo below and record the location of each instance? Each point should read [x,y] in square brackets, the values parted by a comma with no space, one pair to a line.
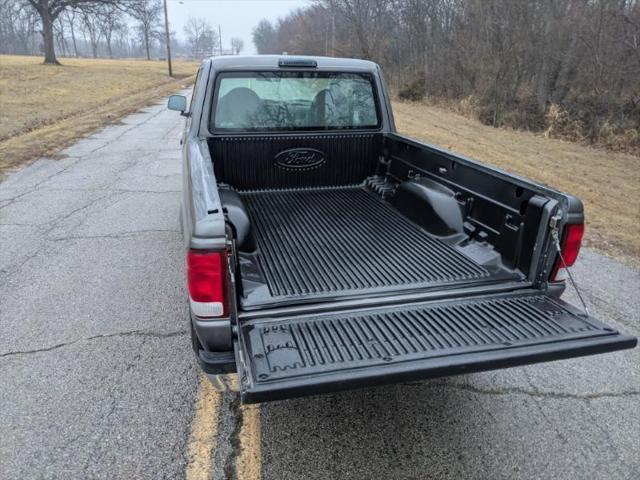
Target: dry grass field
[44,107]
[608,183]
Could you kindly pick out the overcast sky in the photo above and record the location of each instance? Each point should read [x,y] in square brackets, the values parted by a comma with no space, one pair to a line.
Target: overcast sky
[236,17]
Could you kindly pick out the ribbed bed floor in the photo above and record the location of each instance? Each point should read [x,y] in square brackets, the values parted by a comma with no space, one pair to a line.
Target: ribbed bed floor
[345,239]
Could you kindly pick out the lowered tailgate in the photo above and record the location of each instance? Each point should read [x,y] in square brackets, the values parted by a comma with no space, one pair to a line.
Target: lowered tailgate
[303,355]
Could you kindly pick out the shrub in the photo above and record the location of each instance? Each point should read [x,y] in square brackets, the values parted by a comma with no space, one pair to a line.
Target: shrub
[469,106]
[412,91]
[561,124]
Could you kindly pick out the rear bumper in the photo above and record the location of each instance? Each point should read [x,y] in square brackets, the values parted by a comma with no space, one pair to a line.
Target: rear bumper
[214,334]
[211,362]
[216,363]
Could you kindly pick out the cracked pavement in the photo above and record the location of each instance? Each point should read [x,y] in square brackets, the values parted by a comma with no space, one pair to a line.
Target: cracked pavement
[98,379]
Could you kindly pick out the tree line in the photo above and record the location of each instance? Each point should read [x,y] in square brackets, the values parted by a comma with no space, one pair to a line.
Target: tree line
[101,28]
[570,68]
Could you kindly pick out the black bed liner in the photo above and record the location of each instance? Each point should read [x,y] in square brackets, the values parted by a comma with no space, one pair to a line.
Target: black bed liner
[302,355]
[337,241]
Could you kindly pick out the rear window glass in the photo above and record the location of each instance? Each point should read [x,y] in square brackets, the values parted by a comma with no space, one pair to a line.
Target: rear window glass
[264,101]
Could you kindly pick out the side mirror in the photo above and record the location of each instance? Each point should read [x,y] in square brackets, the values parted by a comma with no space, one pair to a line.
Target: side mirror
[177,103]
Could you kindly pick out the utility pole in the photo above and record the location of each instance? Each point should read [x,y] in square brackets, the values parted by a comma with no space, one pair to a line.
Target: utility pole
[167,38]
[220,38]
[333,35]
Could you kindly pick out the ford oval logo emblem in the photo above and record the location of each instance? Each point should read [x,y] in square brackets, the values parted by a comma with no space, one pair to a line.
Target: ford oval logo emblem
[299,159]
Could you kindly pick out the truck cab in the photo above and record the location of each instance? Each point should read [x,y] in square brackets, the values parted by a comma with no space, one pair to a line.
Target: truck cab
[325,251]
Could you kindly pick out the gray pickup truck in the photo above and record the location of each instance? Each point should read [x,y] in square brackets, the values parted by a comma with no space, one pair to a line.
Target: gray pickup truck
[324,251]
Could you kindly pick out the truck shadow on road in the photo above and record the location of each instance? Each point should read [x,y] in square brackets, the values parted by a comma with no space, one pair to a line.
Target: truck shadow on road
[436,429]
[403,431]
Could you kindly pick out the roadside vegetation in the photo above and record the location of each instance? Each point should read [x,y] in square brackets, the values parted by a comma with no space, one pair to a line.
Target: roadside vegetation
[45,108]
[566,68]
[607,182]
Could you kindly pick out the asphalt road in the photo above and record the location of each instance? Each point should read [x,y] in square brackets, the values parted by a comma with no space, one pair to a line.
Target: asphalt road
[98,380]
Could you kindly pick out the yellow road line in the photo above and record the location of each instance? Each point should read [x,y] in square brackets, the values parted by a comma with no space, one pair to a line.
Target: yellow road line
[249,461]
[204,428]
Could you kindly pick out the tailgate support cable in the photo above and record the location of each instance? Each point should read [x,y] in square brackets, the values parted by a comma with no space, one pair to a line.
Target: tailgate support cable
[556,241]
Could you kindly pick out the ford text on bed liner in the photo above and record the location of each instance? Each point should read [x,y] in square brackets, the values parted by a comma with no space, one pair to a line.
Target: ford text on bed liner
[324,251]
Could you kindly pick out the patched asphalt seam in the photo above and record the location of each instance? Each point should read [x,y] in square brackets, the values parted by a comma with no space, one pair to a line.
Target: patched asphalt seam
[230,467]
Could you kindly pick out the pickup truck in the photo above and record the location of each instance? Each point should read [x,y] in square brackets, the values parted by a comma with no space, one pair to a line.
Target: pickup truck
[325,251]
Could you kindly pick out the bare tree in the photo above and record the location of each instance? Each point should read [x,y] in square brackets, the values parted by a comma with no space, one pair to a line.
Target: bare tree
[264,37]
[59,31]
[18,23]
[367,18]
[147,15]
[110,20]
[69,17]
[91,28]
[49,11]
[123,40]
[201,37]
[237,45]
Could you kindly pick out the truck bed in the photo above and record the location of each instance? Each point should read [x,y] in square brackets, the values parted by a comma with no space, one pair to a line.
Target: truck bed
[343,241]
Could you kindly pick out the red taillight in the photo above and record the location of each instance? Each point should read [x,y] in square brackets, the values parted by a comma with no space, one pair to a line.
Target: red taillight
[570,247]
[206,283]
